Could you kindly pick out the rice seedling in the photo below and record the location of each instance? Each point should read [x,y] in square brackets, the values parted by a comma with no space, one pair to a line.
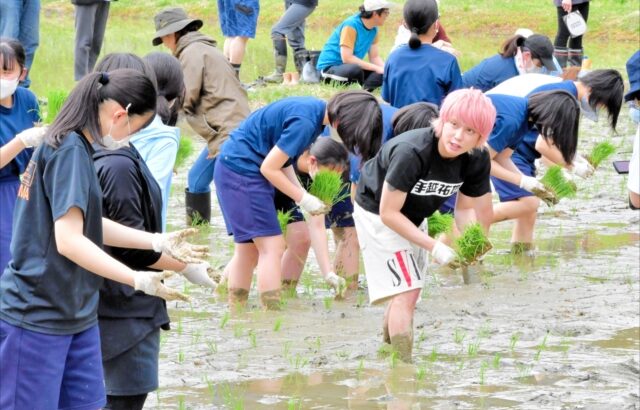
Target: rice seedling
[421,372]
[224,320]
[439,223]
[513,340]
[559,186]
[294,403]
[298,362]
[459,336]
[238,330]
[284,219]
[185,149]
[433,356]
[472,348]
[360,368]
[55,101]
[483,368]
[495,363]
[181,405]
[232,399]
[393,358]
[277,324]
[472,244]
[600,152]
[328,302]
[212,346]
[328,186]
[541,347]
[252,338]
[180,356]
[286,348]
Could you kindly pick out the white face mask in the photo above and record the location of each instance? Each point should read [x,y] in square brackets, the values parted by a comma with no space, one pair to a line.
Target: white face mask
[111,144]
[8,87]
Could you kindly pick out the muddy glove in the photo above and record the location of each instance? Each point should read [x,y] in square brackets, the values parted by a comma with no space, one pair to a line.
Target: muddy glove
[337,283]
[442,254]
[581,167]
[175,245]
[312,205]
[198,273]
[32,137]
[151,284]
[531,184]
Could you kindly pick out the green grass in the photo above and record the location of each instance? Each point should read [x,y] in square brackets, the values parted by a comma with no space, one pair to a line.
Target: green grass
[185,149]
[472,244]
[439,223]
[55,100]
[600,152]
[328,186]
[555,181]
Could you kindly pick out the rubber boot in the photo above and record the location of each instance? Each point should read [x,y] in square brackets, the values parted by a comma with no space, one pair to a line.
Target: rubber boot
[198,208]
[300,58]
[280,57]
[561,54]
[575,57]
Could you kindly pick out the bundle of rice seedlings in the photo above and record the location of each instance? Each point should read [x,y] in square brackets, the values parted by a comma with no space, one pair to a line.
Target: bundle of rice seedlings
[284,218]
[555,182]
[327,186]
[472,244]
[55,100]
[600,152]
[439,223]
[185,149]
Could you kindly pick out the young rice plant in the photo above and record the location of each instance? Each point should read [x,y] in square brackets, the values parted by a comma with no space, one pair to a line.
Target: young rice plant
[328,187]
[472,244]
[555,182]
[439,223]
[600,152]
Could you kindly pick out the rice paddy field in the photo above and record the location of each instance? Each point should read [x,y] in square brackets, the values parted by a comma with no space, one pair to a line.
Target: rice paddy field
[558,330]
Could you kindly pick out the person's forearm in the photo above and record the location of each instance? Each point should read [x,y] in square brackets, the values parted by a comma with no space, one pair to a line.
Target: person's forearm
[282,182]
[550,152]
[10,150]
[115,234]
[318,235]
[378,61]
[166,262]
[469,210]
[499,171]
[86,254]
[399,223]
[365,65]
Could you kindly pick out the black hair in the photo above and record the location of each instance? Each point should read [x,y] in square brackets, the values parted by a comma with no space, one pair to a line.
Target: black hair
[510,46]
[329,152]
[11,52]
[419,16]
[607,88]
[81,110]
[170,85]
[357,117]
[368,14]
[556,115]
[114,61]
[193,26]
[414,116]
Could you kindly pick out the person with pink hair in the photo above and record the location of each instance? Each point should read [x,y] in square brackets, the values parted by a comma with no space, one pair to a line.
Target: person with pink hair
[407,181]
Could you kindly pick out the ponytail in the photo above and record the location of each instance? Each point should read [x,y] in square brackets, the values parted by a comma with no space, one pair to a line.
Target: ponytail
[81,110]
[170,79]
[419,16]
[510,46]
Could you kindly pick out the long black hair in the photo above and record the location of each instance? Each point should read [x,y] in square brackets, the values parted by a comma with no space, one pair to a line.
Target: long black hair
[357,117]
[607,88]
[419,16]
[170,85]
[129,88]
[556,115]
[11,52]
[114,61]
[413,116]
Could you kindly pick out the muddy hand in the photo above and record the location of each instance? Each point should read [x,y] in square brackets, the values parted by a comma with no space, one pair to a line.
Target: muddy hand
[547,196]
[175,245]
[151,284]
[198,274]
[338,283]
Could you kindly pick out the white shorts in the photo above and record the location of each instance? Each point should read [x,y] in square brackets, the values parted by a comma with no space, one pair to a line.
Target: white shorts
[392,264]
[633,182]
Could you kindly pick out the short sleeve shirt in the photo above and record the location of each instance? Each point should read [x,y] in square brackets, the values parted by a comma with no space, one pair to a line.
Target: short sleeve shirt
[291,124]
[511,122]
[40,289]
[411,163]
[350,33]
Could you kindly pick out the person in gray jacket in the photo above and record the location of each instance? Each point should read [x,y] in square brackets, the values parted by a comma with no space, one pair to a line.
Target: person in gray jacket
[91,23]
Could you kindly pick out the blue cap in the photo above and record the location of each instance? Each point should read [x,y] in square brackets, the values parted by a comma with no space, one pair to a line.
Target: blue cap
[633,70]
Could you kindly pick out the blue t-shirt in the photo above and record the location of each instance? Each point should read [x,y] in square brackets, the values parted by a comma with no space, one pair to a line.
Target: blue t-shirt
[423,74]
[511,122]
[291,124]
[21,116]
[330,54]
[490,72]
[526,150]
[40,289]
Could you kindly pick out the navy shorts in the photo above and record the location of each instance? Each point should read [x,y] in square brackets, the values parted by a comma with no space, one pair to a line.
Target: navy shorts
[508,191]
[41,371]
[341,214]
[449,205]
[246,203]
[238,18]
[285,204]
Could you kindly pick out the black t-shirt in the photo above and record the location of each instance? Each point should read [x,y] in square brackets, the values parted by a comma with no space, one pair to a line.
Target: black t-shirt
[411,163]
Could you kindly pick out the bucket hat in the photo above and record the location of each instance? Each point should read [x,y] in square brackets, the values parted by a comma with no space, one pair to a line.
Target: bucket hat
[170,21]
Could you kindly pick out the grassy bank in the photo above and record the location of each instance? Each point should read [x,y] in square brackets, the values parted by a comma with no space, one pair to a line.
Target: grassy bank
[476,27]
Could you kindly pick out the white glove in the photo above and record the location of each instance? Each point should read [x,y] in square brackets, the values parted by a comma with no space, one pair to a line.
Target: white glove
[442,254]
[198,273]
[312,205]
[32,137]
[175,245]
[150,283]
[531,184]
[581,167]
[336,282]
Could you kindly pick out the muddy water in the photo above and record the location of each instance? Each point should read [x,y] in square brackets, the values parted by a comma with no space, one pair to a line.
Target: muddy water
[560,330]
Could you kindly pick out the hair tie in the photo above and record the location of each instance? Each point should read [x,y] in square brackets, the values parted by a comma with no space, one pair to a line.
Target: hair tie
[414,30]
[104,78]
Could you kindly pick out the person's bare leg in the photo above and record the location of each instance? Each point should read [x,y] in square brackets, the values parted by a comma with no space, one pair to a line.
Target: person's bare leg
[347,257]
[515,209]
[226,48]
[295,256]
[401,311]
[237,48]
[240,270]
[269,269]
